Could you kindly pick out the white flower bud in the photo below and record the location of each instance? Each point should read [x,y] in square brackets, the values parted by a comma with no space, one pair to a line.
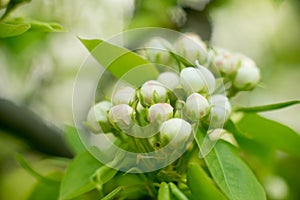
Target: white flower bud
[97,117]
[121,116]
[224,61]
[169,79]
[125,95]
[220,108]
[177,131]
[153,92]
[247,75]
[160,112]
[157,50]
[197,79]
[191,47]
[196,106]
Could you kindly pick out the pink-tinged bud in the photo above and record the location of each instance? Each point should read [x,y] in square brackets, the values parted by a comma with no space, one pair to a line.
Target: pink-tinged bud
[220,108]
[97,117]
[121,116]
[224,61]
[158,50]
[196,107]
[169,79]
[153,92]
[175,131]
[247,75]
[197,79]
[125,95]
[160,112]
[191,47]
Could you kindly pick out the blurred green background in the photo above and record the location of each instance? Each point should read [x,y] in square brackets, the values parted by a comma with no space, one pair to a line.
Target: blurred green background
[38,69]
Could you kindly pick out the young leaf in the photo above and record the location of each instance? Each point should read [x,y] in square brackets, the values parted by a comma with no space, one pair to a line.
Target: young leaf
[268,107]
[231,174]
[119,61]
[268,132]
[10,30]
[201,185]
[77,179]
[73,140]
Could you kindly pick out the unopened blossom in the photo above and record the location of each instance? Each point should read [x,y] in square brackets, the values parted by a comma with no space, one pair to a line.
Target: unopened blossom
[157,50]
[191,47]
[121,116]
[224,61]
[220,108]
[97,117]
[175,131]
[197,79]
[125,95]
[169,80]
[153,92]
[196,106]
[160,112]
[247,75]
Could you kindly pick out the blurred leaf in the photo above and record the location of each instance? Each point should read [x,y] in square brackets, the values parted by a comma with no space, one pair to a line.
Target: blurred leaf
[119,61]
[201,185]
[32,172]
[45,26]
[73,140]
[268,107]
[10,30]
[269,133]
[230,172]
[77,179]
[45,191]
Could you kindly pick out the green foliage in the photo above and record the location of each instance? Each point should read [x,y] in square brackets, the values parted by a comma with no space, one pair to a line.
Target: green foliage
[10,30]
[201,185]
[73,140]
[267,132]
[119,61]
[268,107]
[77,179]
[231,174]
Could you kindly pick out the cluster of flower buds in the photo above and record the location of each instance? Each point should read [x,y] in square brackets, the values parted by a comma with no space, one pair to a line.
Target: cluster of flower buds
[237,69]
[159,102]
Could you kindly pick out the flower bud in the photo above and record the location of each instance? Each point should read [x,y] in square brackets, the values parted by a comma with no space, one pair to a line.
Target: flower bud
[191,47]
[220,108]
[157,50]
[153,92]
[121,116]
[197,80]
[196,107]
[224,61]
[175,131]
[125,95]
[169,80]
[160,112]
[247,75]
[97,117]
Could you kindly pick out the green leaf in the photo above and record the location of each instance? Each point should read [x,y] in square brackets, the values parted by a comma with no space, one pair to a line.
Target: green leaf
[10,30]
[45,191]
[119,61]
[46,26]
[268,107]
[230,172]
[77,179]
[73,140]
[201,185]
[32,172]
[268,132]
